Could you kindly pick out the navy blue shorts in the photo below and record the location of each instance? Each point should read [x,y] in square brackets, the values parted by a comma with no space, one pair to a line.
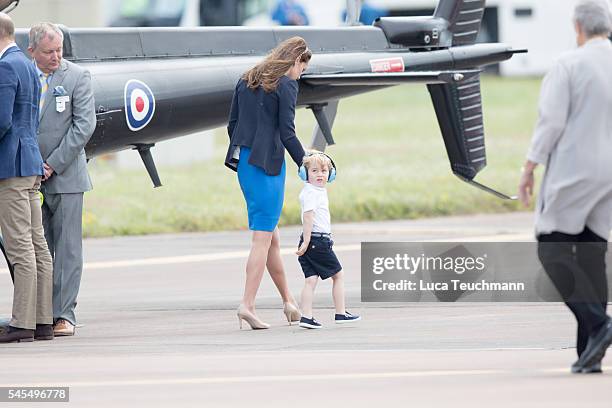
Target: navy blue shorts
[319,259]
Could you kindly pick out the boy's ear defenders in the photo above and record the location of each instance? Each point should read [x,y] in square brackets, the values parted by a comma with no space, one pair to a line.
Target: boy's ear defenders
[303,172]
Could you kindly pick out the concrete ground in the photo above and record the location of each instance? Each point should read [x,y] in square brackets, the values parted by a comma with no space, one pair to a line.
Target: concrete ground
[160,329]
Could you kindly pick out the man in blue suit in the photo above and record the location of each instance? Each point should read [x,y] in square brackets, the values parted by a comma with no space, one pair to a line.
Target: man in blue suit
[21,168]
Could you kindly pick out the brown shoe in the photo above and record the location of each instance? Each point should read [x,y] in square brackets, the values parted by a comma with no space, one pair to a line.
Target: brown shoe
[16,335]
[43,332]
[63,328]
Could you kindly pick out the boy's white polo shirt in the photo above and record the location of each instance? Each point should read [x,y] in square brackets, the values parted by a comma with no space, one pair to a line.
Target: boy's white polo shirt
[314,199]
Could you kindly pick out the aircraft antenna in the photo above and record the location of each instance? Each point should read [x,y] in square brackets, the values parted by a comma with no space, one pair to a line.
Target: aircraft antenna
[353,12]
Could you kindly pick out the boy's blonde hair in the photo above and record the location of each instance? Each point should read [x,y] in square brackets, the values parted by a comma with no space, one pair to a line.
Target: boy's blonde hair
[316,157]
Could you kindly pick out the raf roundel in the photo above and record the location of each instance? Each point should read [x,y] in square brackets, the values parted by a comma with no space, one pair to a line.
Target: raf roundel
[139,104]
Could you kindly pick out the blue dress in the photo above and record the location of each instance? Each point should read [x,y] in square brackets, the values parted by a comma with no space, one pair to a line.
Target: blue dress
[264,194]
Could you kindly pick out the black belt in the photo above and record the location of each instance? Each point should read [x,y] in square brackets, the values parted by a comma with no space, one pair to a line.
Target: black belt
[320,234]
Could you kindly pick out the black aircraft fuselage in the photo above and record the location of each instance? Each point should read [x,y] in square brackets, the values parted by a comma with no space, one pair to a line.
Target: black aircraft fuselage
[192,73]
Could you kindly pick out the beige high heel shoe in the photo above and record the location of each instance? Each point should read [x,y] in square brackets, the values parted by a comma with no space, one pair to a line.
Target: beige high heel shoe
[244,314]
[292,313]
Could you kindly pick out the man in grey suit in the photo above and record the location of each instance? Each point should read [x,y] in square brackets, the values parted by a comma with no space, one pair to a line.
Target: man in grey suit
[573,139]
[67,121]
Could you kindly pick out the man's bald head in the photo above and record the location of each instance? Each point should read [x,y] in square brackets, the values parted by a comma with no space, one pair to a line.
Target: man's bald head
[7,28]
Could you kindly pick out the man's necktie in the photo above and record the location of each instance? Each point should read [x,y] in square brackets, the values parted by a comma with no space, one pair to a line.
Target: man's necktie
[44,85]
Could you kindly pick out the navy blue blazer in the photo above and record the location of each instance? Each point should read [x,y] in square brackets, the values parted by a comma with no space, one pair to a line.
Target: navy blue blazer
[19,97]
[264,122]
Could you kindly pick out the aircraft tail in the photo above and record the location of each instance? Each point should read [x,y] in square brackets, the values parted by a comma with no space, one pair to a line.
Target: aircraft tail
[454,23]
[464,18]
[459,111]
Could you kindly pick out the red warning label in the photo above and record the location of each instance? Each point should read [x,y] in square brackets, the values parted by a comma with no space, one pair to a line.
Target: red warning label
[387,65]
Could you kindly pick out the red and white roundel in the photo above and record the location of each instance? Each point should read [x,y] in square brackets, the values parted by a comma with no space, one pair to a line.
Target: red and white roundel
[139,104]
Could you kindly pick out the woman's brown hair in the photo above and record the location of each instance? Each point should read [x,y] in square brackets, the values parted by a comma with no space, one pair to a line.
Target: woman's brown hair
[269,71]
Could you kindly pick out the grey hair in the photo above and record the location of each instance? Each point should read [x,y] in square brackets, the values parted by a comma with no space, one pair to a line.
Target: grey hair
[7,28]
[41,30]
[593,17]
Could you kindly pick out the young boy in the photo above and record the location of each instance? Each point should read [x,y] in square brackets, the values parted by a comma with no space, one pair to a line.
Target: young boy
[316,255]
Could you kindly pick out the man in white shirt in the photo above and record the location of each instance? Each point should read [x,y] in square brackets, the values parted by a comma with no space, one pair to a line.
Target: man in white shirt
[573,139]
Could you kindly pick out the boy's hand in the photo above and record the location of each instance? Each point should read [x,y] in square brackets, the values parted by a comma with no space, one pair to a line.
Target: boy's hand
[308,217]
[303,248]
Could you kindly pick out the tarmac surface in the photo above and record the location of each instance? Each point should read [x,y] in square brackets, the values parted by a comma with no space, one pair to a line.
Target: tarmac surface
[160,330]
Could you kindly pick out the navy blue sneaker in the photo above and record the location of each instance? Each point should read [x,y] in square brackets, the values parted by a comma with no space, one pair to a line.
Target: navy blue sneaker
[309,323]
[346,318]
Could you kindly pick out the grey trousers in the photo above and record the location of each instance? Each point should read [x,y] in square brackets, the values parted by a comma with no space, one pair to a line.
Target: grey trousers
[63,222]
[21,225]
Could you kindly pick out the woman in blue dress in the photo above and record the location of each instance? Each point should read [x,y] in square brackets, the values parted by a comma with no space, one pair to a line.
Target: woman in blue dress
[261,127]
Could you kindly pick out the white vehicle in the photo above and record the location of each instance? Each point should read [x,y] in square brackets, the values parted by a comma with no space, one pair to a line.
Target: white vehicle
[185,13]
